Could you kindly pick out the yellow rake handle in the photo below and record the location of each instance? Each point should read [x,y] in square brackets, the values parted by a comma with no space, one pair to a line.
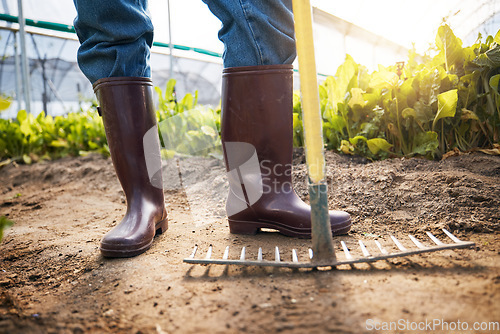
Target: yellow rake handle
[311,114]
[321,233]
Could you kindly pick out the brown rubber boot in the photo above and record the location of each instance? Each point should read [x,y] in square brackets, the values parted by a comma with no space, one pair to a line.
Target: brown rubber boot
[256,127]
[128,114]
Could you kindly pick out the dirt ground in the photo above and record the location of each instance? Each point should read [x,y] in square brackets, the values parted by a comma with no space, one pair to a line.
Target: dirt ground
[53,279]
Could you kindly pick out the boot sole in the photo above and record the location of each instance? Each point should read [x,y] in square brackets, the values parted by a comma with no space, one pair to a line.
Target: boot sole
[160,228]
[252,228]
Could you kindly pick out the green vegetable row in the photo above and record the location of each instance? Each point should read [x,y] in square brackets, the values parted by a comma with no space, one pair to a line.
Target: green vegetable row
[427,106]
[447,102]
[29,139]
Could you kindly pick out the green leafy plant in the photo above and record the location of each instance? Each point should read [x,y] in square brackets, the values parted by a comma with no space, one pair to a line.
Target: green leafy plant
[168,105]
[4,224]
[446,102]
[4,103]
[29,139]
[186,127]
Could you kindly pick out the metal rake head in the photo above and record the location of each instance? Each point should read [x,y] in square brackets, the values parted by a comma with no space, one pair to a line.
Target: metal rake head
[349,258]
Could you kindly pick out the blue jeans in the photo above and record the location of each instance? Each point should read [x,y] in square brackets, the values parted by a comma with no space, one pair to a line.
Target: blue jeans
[116,35]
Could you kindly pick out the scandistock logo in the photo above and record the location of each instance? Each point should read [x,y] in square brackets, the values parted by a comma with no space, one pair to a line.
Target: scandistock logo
[244,176]
[189,141]
[190,133]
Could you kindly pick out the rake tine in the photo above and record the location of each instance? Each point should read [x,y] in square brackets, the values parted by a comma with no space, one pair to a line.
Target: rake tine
[346,250]
[349,257]
[209,253]
[194,252]
[226,253]
[398,244]
[382,249]
[451,236]
[416,242]
[363,249]
[433,238]
[242,256]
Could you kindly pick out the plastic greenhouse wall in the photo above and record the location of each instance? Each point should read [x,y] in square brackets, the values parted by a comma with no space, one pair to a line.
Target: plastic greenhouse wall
[58,86]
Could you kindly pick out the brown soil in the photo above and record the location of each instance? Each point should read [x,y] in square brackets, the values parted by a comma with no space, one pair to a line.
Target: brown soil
[53,279]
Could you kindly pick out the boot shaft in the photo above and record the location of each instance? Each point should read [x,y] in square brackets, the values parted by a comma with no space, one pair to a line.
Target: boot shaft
[117,96]
[257,107]
[129,119]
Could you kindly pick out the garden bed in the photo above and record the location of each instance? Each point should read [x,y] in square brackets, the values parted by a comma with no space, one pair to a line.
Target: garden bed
[53,279]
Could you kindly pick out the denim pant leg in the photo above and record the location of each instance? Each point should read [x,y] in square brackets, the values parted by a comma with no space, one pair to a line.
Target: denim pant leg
[115,36]
[255,32]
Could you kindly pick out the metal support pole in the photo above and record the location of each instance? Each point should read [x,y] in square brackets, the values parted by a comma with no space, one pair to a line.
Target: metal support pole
[19,79]
[24,58]
[170,46]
